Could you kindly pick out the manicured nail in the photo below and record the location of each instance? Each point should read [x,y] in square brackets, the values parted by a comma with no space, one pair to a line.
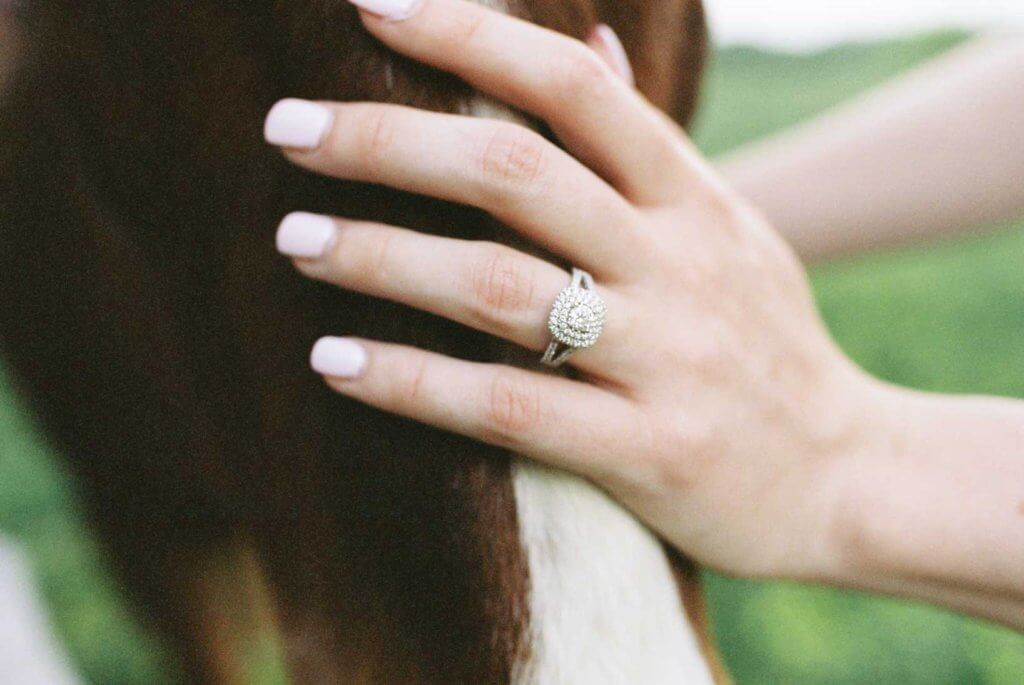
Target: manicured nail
[395,10]
[338,357]
[297,123]
[305,235]
[608,41]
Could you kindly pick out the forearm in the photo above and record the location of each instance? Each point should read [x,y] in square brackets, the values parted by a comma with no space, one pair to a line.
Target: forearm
[934,510]
[938,151]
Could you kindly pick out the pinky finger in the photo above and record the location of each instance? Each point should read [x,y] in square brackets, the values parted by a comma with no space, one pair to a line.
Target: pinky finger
[565,423]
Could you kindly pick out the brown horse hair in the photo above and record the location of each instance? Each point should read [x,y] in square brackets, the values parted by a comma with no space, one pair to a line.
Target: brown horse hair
[162,343]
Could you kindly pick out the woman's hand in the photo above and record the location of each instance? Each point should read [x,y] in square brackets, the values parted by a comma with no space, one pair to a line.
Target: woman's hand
[714,405]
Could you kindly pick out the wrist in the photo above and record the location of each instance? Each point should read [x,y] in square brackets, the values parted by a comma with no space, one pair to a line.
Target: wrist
[934,498]
[915,496]
[850,530]
[930,507]
[843,435]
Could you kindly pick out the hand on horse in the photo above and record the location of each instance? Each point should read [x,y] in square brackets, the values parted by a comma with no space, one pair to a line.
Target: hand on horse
[714,404]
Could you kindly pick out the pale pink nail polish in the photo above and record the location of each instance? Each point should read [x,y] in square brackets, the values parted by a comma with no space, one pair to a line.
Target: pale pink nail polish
[304,235]
[395,10]
[338,357]
[613,49]
[297,124]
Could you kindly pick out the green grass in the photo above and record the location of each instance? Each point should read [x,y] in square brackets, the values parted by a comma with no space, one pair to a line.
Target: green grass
[37,506]
[947,317]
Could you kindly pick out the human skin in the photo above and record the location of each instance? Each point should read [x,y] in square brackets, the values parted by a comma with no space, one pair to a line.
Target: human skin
[715,405]
[936,152]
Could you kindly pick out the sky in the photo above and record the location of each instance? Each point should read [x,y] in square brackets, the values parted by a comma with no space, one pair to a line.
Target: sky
[810,24]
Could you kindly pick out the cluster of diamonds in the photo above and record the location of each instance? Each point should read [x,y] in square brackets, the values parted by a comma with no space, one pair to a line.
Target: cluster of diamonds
[577,317]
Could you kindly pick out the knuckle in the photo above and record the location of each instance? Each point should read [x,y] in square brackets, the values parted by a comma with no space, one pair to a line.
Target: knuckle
[377,140]
[513,156]
[649,246]
[499,285]
[703,273]
[683,459]
[469,27]
[379,266]
[513,407]
[581,74]
[669,472]
[408,389]
[721,211]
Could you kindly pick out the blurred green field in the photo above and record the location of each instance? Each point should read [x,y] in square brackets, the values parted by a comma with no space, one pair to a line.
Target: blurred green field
[948,317]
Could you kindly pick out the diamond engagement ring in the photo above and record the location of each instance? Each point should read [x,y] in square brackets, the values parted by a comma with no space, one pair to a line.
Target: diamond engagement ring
[576,319]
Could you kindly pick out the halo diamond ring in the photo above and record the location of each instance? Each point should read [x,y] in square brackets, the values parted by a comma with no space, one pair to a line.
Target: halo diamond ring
[576,321]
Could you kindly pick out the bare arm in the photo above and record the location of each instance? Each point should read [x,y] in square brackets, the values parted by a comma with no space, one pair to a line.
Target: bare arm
[934,508]
[938,151]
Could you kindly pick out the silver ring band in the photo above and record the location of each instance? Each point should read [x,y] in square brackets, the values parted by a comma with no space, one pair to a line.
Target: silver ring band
[576,321]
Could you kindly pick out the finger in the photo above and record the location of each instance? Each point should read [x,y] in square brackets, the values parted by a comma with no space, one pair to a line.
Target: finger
[565,423]
[600,118]
[489,287]
[605,42]
[505,169]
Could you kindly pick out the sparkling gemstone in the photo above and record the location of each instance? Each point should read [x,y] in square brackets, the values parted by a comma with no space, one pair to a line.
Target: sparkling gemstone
[577,317]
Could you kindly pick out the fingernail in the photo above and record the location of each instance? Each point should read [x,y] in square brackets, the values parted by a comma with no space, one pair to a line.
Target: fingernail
[395,10]
[298,124]
[608,41]
[305,235]
[338,357]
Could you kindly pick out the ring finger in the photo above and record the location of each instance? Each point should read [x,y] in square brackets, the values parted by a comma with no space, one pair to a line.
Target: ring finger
[487,286]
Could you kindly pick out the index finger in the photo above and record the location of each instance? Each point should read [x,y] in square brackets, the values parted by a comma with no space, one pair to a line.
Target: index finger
[594,113]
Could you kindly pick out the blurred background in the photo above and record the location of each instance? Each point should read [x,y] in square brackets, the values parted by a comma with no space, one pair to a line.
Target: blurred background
[946,317]
[802,25]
